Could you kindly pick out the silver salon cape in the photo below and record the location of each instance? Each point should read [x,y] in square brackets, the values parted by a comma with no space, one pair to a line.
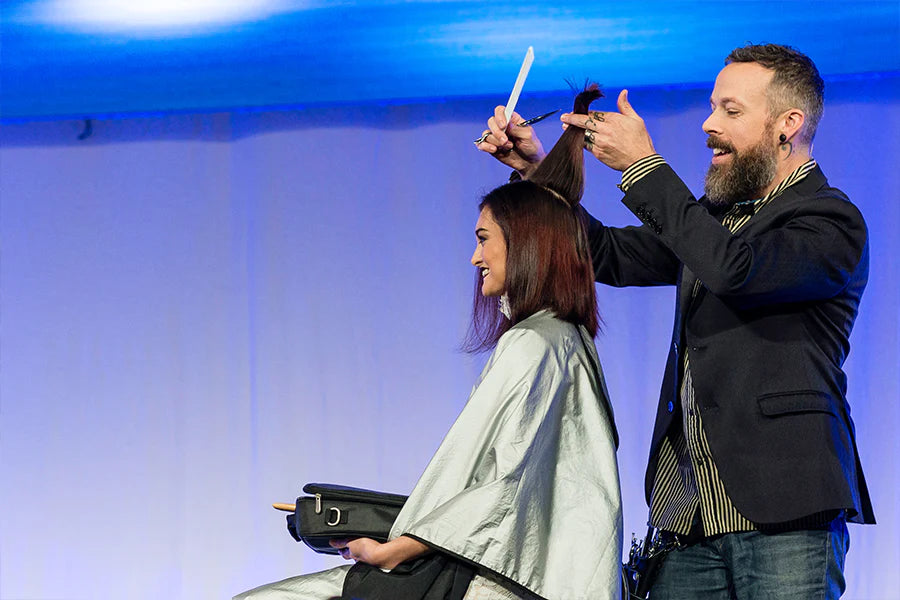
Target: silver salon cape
[526,483]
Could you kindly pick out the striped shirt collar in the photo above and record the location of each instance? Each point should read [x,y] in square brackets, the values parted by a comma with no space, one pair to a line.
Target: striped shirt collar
[798,175]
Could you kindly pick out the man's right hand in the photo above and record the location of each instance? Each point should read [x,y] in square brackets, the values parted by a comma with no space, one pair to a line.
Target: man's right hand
[514,146]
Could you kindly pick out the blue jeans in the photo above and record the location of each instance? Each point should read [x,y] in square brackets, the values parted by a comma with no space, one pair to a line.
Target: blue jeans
[795,565]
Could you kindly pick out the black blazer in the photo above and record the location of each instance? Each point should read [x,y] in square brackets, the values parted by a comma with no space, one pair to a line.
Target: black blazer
[767,334]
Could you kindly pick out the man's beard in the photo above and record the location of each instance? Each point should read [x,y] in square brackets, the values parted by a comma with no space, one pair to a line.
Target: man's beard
[746,174]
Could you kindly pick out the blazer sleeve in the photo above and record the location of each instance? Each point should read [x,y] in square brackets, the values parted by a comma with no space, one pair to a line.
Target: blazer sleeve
[626,256]
[810,253]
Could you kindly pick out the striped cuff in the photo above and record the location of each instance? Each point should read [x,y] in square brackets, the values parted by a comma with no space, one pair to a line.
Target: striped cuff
[639,169]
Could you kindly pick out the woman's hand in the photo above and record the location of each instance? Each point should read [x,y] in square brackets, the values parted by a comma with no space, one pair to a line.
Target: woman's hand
[364,550]
[384,556]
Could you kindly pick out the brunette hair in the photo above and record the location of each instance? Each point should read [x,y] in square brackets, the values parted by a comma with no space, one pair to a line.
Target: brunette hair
[548,260]
[795,84]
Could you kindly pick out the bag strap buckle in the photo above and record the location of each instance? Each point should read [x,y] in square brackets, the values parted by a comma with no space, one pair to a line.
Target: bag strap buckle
[335,518]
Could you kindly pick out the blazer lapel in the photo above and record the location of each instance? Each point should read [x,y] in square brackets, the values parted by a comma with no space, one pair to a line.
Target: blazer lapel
[685,291]
[814,180]
[804,188]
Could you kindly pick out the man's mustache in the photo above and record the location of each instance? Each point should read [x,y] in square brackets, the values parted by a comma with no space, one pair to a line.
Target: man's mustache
[716,144]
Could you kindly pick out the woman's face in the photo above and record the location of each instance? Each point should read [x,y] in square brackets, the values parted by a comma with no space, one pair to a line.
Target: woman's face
[490,254]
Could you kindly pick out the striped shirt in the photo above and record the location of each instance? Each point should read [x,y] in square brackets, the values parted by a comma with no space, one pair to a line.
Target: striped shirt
[687,480]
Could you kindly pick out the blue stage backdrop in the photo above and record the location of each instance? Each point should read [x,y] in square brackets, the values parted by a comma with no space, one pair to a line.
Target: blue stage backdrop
[202,312]
[90,57]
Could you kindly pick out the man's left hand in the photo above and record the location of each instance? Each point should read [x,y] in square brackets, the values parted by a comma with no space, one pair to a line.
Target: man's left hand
[617,139]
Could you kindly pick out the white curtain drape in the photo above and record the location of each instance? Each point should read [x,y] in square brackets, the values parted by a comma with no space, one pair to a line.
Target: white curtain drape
[200,313]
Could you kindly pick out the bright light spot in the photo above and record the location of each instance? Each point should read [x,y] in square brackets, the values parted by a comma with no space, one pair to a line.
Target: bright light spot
[123,16]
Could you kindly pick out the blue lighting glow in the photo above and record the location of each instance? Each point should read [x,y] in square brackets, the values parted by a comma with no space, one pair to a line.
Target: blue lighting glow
[158,17]
[93,57]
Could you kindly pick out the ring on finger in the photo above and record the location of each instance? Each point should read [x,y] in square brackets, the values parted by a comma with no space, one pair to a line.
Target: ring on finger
[483,137]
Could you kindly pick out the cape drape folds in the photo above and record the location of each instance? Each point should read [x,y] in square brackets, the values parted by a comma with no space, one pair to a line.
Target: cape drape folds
[525,483]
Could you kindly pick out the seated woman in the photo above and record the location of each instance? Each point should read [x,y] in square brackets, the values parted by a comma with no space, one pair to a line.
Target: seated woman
[524,487]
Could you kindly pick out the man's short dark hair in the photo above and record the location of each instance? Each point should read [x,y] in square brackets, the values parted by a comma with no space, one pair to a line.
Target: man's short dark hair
[796,83]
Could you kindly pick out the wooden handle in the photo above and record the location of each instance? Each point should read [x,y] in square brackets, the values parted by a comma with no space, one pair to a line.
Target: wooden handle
[284,507]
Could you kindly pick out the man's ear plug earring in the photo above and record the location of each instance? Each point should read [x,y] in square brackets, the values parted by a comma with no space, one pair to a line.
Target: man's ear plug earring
[782,138]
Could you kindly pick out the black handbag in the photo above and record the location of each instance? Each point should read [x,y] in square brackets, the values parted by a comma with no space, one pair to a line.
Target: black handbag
[341,512]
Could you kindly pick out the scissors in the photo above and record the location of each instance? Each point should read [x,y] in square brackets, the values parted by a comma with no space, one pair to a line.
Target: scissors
[525,123]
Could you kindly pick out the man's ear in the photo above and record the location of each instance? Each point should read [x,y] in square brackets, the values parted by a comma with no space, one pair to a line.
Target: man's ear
[790,123]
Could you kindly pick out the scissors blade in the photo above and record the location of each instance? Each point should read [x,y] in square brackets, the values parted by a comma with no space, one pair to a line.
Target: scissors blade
[538,118]
[520,82]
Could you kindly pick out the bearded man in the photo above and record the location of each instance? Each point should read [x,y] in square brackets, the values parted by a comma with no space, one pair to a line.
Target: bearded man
[753,461]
